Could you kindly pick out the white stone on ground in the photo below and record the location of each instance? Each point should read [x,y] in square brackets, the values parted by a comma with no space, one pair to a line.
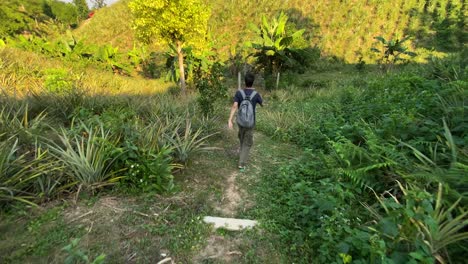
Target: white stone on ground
[232,224]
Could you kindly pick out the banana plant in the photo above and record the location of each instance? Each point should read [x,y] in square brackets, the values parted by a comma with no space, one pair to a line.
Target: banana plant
[192,62]
[392,50]
[273,48]
[110,56]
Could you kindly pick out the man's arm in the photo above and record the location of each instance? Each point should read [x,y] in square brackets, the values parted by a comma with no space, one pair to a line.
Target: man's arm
[260,100]
[234,107]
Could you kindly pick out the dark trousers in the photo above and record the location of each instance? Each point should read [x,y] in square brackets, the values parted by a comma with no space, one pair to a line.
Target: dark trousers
[246,142]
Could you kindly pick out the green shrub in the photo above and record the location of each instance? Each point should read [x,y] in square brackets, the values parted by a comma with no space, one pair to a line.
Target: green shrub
[186,142]
[88,159]
[408,126]
[311,211]
[151,171]
[210,88]
[18,121]
[417,228]
[58,81]
[18,171]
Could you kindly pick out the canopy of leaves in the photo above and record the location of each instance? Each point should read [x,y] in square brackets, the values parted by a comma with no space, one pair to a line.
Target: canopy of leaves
[18,16]
[274,46]
[82,7]
[393,49]
[172,20]
[66,13]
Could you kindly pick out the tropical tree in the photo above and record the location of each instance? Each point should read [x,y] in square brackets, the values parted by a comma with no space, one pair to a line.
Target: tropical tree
[98,3]
[82,7]
[66,13]
[177,22]
[274,46]
[392,50]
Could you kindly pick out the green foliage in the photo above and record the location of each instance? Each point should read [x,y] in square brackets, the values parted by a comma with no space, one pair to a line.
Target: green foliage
[65,13]
[176,22]
[371,164]
[341,29]
[82,9]
[19,122]
[37,17]
[72,49]
[275,47]
[210,88]
[173,21]
[311,212]
[371,131]
[19,16]
[186,142]
[17,172]
[57,81]
[452,68]
[434,169]
[392,50]
[421,222]
[151,171]
[88,159]
[75,255]
[110,57]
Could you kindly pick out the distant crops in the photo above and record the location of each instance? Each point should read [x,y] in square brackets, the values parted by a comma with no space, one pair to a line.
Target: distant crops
[341,28]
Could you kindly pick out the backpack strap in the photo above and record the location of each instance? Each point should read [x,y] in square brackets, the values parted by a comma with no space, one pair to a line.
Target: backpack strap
[243,94]
[252,95]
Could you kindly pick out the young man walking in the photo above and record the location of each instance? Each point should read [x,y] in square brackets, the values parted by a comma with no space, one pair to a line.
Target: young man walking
[246,128]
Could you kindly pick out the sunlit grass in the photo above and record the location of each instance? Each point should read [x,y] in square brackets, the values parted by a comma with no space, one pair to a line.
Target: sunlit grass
[342,29]
[24,73]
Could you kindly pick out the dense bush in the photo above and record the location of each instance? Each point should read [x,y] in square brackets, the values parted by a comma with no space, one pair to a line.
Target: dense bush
[33,16]
[94,142]
[366,189]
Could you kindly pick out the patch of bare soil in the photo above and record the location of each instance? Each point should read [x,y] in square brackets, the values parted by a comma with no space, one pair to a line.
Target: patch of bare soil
[225,249]
[231,198]
[106,209]
[222,249]
[219,248]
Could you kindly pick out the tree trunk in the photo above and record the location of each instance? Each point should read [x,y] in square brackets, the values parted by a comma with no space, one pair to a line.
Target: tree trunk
[180,55]
[277,80]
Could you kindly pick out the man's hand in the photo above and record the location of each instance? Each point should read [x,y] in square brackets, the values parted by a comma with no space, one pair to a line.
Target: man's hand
[231,115]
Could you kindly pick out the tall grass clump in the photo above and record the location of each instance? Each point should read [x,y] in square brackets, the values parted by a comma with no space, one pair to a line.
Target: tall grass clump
[88,159]
[187,142]
[17,120]
[18,172]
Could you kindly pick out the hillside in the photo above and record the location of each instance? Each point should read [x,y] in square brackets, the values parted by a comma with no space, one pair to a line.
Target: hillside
[345,29]
[104,160]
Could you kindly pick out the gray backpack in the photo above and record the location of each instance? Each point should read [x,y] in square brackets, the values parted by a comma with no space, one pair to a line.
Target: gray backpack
[245,113]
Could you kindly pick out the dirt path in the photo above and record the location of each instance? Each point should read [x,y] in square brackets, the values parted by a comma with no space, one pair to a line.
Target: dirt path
[150,227]
[234,200]
[231,198]
[219,248]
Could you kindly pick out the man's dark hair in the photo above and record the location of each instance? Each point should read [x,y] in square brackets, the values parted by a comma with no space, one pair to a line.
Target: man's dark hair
[249,79]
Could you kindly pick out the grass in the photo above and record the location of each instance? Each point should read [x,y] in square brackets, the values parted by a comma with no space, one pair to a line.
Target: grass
[38,237]
[144,228]
[25,72]
[88,159]
[332,27]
